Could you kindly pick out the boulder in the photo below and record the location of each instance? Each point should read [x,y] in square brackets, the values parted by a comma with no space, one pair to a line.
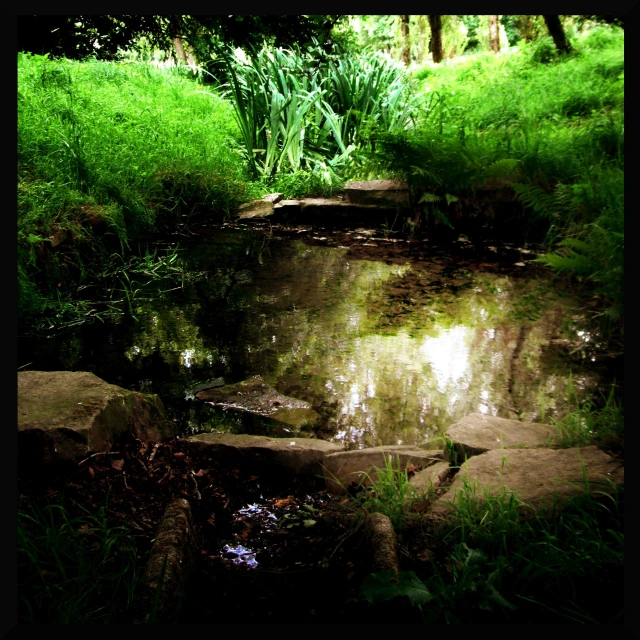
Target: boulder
[259,208]
[297,456]
[255,396]
[379,192]
[360,465]
[538,476]
[477,433]
[64,416]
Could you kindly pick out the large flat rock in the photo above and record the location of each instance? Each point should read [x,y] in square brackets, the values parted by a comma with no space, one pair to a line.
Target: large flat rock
[360,466]
[64,416]
[536,475]
[477,433]
[299,456]
[255,396]
[378,192]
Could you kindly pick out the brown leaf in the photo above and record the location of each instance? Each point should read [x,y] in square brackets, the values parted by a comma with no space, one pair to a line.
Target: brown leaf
[92,473]
[200,473]
[117,464]
[282,503]
[178,454]
[212,520]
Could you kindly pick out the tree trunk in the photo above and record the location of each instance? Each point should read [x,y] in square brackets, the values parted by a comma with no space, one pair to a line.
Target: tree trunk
[406,44]
[494,34]
[557,33]
[435,22]
[186,56]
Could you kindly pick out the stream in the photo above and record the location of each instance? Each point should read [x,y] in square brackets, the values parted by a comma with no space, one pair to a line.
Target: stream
[391,341]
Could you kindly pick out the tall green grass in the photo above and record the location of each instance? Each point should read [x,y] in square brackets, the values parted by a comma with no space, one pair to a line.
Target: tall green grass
[73,569]
[111,152]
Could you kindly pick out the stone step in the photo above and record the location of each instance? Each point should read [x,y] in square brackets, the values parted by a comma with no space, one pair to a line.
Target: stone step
[378,192]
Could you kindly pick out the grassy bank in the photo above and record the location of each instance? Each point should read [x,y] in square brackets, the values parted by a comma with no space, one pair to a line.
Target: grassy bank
[534,136]
[109,153]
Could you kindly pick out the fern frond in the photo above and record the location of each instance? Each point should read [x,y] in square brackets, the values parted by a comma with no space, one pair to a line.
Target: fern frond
[505,169]
[449,198]
[441,217]
[429,197]
[534,197]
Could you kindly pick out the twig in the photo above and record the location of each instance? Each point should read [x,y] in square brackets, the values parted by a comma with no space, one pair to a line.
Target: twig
[100,453]
[155,449]
[193,477]
[345,537]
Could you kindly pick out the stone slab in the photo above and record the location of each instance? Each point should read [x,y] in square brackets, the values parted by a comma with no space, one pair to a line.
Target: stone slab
[379,192]
[299,456]
[477,433]
[63,416]
[359,466]
[536,475]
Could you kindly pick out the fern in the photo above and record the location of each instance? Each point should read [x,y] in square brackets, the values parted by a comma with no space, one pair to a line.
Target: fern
[541,202]
[506,169]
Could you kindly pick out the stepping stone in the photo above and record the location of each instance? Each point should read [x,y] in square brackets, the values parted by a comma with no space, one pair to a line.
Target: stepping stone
[346,467]
[255,396]
[536,475]
[298,456]
[477,433]
[378,192]
[64,416]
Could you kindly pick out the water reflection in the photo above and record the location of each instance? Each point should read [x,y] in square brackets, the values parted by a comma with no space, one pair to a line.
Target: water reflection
[386,352]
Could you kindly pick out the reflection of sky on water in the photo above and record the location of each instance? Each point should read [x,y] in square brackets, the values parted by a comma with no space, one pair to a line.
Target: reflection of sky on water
[392,363]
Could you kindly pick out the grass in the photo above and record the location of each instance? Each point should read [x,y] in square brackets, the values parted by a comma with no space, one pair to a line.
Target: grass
[111,153]
[491,561]
[594,421]
[73,569]
[549,133]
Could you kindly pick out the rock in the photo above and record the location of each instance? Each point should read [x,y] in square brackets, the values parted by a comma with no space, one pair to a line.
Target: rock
[257,397]
[287,210]
[477,433]
[273,197]
[537,474]
[423,483]
[382,543]
[297,456]
[176,543]
[257,209]
[64,416]
[380,192]
[345,467]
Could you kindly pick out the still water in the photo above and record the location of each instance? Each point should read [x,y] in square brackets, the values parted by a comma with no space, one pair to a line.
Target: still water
[390,341]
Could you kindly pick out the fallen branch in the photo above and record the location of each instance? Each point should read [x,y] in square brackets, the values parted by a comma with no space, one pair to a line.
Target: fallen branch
[100,453]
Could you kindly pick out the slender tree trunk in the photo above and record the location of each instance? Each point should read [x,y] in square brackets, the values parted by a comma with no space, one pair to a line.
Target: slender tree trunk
[435,22]
[186,56]
[406,44]
[557,33]
[494,34]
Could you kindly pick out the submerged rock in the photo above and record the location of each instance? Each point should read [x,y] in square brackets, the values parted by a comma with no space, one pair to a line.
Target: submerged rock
[255,396]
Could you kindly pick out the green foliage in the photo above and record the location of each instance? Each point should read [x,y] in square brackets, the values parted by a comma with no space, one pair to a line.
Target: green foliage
[108,170]
[73,569]
[493,558]
[299,113]
[387,493]
[598,421]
